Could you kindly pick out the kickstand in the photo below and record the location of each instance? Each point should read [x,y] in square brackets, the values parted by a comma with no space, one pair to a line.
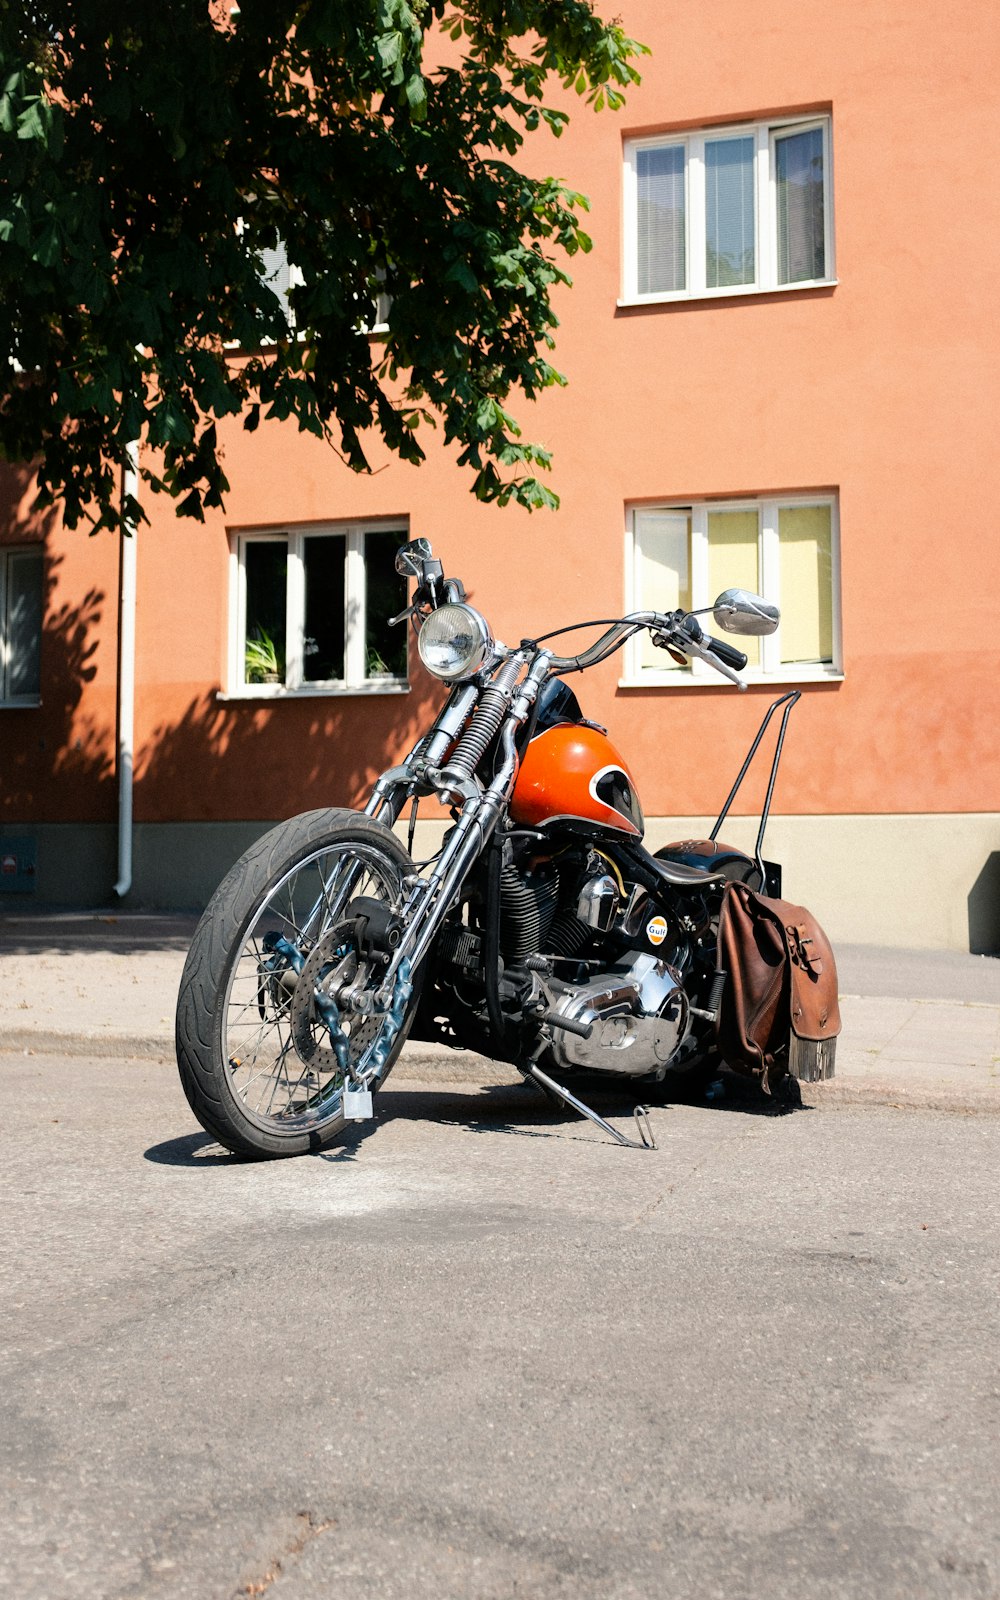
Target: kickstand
[645,1141]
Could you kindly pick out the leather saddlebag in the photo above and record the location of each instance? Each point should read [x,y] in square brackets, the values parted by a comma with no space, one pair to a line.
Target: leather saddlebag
[779,1009]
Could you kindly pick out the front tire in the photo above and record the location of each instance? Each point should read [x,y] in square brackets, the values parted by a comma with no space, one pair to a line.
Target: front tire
[256,1060]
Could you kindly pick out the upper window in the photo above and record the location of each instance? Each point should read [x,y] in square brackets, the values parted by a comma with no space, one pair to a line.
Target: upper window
[21,584]
[312,609]
[785,549]
[282,276]
[733,210]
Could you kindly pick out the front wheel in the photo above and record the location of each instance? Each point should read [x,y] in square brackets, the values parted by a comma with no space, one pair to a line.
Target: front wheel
[262,1068]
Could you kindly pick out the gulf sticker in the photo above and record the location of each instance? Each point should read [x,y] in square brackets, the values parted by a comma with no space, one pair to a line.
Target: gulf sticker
[656,931]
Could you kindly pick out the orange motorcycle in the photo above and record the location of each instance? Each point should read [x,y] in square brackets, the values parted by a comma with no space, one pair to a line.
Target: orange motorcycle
[541,932]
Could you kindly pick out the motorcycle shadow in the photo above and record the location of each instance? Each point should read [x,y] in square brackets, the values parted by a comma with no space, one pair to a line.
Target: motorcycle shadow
[191,1150]
[517,1109]
[521,1110]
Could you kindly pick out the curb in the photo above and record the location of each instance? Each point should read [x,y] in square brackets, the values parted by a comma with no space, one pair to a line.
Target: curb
[437,1064]
[117,1046]
[841,1094]
[461,1066]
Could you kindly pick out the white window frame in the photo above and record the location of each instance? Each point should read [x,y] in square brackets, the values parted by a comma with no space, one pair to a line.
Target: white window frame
[283,269]
[771,669]
[296,685]
[7,553]
[765,134]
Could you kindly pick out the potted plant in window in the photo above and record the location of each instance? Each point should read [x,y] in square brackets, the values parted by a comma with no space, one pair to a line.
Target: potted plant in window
[377,668]
[262,661]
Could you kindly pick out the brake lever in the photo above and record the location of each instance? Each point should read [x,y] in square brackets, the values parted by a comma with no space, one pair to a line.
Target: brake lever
[423,595]
[679,641]
[713,661]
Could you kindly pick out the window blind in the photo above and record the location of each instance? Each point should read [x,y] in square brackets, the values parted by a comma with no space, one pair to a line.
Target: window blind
[806,539]
[730,254]
[801,219]
[662,220]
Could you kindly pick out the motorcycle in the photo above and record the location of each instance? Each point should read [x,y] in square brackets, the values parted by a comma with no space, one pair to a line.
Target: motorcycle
[541,932]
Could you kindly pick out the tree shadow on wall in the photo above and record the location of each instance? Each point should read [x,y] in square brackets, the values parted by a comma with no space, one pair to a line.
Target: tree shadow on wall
[58,760]
[219,761]
[248,761]
[238,767]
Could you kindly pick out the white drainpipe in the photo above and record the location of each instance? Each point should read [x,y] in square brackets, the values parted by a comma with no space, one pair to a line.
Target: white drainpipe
[126,679]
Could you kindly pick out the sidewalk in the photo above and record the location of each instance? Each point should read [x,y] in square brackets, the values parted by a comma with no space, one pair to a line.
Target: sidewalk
[920,1027]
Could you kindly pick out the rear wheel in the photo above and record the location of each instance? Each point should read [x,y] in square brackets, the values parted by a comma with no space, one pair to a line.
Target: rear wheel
[265,1042]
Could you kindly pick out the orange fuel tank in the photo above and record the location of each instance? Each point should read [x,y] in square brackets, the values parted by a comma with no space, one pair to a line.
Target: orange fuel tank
[573,774]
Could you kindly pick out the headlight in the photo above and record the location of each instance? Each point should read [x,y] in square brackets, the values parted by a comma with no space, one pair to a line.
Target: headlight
[454,642]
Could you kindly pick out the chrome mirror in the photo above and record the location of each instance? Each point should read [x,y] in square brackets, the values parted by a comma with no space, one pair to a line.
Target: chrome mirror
[410,559]
[739,611]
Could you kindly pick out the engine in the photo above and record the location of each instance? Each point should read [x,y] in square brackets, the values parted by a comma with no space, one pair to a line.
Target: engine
[632,1000]
[638,1013]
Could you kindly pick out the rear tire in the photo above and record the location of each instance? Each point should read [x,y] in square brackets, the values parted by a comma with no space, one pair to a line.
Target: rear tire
[254,1057]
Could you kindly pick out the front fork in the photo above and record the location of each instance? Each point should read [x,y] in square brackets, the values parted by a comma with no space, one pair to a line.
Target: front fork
[429,899]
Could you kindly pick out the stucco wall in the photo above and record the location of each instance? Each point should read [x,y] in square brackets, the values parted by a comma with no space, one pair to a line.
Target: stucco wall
[884,388]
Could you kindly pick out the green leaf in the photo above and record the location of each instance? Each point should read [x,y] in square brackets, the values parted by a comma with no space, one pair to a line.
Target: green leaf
[390,52]
[46,250]
[32,123]
[416,94]
[138,218]
[460,272]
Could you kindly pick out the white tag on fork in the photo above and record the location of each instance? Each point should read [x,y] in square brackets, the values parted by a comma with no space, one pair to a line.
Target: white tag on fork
[357,1105]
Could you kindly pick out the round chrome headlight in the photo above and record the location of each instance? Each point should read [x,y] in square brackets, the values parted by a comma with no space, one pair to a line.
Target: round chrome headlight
[454,642]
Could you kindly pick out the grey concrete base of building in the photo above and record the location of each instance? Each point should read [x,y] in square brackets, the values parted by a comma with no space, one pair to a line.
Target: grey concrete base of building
[904,881]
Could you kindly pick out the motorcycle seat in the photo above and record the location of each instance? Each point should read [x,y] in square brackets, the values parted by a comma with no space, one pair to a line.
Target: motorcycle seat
[718,860]
[680,876]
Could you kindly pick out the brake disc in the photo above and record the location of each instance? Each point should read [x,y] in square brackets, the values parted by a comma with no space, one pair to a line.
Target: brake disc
[333,961]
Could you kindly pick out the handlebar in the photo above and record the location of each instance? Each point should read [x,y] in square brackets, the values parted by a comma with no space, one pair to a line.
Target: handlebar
[678,628]
[606,645]
[688,633]
[726,652]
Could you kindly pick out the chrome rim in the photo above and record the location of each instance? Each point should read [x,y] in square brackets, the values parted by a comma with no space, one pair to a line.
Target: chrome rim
[281,1067]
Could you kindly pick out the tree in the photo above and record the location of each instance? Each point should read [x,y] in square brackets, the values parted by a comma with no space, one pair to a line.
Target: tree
[153,158]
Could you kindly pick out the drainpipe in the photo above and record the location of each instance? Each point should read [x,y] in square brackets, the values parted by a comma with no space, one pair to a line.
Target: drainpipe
[126,678]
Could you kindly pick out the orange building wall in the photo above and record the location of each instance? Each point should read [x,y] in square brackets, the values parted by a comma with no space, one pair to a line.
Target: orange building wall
[884,388]
[57,760]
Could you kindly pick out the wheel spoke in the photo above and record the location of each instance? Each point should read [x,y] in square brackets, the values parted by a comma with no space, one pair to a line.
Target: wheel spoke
[274,1080]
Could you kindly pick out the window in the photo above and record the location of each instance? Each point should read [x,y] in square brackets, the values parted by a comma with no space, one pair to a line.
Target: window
[282,276]
[312,609]
[728,211]
[21,581]
[785,549]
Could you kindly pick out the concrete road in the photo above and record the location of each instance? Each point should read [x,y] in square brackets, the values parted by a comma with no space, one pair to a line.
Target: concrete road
[479,1352]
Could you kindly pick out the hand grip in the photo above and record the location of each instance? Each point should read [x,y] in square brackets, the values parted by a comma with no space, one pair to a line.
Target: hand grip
[726,652]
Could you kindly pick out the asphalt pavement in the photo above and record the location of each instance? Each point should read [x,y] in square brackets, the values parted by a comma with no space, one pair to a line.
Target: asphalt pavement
[477,1351]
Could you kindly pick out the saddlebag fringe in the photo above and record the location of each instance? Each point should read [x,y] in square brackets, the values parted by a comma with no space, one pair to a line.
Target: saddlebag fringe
[779,1010]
